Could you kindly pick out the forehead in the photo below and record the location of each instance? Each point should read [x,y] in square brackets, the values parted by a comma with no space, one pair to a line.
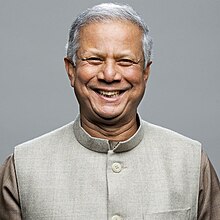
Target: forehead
[111,29]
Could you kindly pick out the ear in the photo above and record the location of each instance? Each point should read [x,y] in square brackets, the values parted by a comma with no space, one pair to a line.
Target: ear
[70,69]
[147,71]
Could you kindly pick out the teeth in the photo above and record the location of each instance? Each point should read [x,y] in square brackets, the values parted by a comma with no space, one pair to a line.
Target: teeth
[109,93]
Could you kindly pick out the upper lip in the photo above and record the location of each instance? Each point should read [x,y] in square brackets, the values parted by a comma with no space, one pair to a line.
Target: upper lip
[110,91]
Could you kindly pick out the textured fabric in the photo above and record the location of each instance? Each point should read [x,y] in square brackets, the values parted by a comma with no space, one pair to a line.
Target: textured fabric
[9,198]
[60,175]
[209,193]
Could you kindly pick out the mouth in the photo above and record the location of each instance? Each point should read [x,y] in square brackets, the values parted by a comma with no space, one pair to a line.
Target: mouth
[110,94]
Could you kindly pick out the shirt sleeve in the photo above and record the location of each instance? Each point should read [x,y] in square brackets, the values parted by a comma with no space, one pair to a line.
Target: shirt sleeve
[9,199]
[209,191]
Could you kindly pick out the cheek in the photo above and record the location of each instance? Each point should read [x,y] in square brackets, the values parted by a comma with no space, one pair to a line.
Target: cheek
[136,78]
[84,75]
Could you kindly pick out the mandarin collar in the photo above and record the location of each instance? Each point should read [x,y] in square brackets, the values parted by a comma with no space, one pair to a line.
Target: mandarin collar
[104,145]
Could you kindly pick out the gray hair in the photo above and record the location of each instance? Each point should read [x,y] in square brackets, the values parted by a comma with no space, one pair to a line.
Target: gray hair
[106,12]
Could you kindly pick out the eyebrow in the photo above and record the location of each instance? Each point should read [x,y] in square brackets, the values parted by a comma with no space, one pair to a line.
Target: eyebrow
[121,54]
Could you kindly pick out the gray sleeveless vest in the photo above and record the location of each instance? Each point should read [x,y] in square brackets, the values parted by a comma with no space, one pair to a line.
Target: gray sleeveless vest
[67,174]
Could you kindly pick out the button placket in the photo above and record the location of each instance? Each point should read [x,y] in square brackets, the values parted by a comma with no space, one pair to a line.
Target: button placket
[115,183]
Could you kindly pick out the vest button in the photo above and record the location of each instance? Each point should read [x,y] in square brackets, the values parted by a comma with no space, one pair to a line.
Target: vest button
[116,167]
[116,217]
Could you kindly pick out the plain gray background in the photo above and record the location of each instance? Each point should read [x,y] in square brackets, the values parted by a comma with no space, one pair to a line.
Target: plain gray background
[183,89]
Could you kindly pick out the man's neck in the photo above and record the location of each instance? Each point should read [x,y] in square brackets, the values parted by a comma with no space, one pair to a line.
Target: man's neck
[119,131]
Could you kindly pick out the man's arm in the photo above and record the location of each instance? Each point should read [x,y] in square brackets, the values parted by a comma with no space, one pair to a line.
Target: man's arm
[9,200]
[209,191]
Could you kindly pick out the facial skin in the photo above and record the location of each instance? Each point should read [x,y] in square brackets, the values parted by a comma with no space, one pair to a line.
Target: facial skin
[109,78]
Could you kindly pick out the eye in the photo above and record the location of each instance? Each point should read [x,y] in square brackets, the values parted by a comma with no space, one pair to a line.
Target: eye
[126,62]
[93,60]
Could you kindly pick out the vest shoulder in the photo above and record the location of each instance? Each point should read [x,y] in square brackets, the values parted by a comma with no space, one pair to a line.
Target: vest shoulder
[52,138]
[165,135]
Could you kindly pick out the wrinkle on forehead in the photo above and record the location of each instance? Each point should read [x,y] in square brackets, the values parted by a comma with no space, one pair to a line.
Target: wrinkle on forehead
[117,38]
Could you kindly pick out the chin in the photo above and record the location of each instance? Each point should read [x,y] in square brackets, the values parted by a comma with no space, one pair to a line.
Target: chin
[108,116]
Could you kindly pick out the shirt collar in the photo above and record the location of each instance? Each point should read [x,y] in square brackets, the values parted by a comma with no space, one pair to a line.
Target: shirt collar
[104,145]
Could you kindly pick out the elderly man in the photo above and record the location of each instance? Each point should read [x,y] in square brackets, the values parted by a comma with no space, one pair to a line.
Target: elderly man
[109,163]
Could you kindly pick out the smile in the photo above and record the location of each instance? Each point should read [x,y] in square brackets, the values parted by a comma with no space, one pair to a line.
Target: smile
[109,94]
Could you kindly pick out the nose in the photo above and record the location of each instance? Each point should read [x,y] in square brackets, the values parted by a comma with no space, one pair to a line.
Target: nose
[109,72]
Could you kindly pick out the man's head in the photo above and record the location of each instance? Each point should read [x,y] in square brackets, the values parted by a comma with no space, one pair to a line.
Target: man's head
[107,12]
[108,63]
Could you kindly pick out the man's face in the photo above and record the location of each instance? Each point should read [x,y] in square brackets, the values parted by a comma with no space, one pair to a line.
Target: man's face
[109,77]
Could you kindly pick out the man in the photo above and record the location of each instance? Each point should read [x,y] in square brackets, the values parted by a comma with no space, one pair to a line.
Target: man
[109,163]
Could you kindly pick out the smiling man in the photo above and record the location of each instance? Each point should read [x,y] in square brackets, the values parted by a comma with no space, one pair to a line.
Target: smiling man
[109,163]
[109,78]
